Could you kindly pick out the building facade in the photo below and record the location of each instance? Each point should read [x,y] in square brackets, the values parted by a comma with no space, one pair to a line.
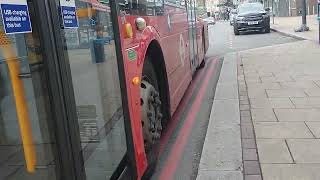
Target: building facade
[284,8]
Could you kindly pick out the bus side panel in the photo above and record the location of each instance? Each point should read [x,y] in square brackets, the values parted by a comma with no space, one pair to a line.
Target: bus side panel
[132,70]
[139,44]
[174,40]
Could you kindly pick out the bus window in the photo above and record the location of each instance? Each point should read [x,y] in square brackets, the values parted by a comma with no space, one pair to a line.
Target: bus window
[27,138]
[91,53]
[142,7]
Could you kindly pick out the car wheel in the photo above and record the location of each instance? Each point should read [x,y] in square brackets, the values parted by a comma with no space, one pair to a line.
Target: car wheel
[267,29]
[236,31]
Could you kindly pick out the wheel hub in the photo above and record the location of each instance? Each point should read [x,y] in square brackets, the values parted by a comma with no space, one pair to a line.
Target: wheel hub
[151,114]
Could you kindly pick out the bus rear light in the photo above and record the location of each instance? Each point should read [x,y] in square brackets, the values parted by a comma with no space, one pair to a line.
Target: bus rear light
[136,81]
[128,30]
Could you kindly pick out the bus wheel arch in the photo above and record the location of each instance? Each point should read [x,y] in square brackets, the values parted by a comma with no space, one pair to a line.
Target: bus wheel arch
[155,56]
[154,91]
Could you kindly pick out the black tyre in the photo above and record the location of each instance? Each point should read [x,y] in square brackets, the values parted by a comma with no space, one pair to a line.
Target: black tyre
[203,62]
[236,31]
[151,115]
[267,29]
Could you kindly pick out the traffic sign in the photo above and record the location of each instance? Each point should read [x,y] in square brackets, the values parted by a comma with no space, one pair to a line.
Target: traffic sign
[15,16]
[69,14]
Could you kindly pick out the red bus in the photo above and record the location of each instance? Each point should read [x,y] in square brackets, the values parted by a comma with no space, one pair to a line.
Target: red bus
[87,86]
[170,42]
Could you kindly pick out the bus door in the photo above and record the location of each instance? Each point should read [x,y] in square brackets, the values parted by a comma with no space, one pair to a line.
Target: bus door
[192,28]
[29,137]
[101,130]
[62,98]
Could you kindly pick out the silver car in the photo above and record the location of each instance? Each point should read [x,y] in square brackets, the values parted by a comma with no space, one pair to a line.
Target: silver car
[209,20]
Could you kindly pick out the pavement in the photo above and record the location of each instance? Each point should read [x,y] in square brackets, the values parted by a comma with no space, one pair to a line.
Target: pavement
[183,139]
[221,155]
[286,25]
[284,94]
[265,118]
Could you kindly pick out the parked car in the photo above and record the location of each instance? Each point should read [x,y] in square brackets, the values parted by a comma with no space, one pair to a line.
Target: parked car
[209,20]
[251,17]
[232,14]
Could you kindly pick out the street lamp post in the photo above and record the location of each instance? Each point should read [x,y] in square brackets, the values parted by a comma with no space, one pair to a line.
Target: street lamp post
[304,26]
[272,5]
[319,18]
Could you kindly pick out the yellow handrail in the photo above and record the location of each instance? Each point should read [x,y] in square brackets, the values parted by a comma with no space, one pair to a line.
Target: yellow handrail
[21,105]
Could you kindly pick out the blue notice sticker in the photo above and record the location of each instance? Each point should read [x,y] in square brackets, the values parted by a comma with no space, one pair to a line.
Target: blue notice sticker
[69,17]
[16,18]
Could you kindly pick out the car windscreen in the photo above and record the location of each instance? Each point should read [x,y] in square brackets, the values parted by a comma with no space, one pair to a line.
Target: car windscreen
[251,7]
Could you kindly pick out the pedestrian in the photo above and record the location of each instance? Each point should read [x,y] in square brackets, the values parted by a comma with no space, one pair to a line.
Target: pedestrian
[228,14]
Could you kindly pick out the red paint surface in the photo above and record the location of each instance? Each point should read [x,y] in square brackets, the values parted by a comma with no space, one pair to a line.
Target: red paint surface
[174,157]
[177,115]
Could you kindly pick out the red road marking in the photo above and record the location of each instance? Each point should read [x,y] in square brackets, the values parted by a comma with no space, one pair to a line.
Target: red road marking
[176,116]
[174,157]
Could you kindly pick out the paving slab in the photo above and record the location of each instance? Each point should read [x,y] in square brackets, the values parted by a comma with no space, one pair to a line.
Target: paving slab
[281,103]
[315,92]
[281,130]
[307,77]
[299,85]
[305,150]
[245,113]
[271,102]
[222,151]
[226,91]
[297,114]
[281,78]
[252,177]
[265,85]
[273,151]
[306,102]
[245,119]
[248,143]
[253,80]
[285,93]
[263,115]
[317,82]
[250,154]
[268,79]
[247,130]
[314,128]
[218,113]
[244,102]
[257,93]
[251,168]
[290,171]
[220,175]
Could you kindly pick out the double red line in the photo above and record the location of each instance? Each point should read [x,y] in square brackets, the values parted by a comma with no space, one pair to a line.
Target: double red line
[170,166]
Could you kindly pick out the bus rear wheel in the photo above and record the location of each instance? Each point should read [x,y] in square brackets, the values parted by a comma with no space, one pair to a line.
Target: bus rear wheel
[151,113]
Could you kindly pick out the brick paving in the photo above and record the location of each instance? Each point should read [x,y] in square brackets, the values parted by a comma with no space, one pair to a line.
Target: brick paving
[250,160]
[282,124]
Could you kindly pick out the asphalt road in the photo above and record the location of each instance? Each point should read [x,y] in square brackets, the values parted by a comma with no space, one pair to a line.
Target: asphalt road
[183,139]
[222,40]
